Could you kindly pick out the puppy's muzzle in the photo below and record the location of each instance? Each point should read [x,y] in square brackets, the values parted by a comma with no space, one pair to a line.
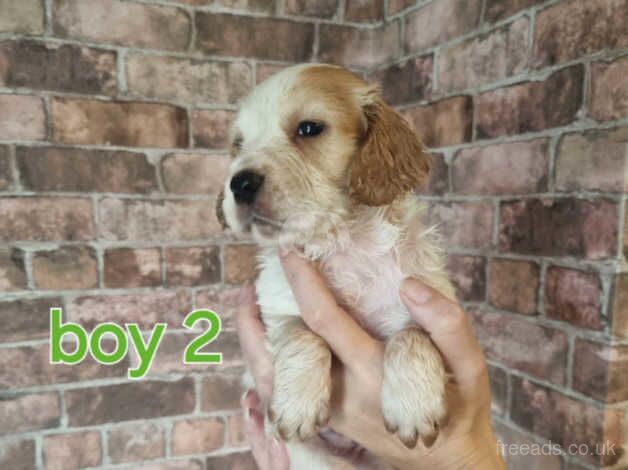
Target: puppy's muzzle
[245,186]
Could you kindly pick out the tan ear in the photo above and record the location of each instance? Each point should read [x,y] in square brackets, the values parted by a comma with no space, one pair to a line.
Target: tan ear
[392,160]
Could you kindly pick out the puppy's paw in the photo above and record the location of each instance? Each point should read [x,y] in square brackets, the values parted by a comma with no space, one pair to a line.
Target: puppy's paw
[301,392]
[413,393]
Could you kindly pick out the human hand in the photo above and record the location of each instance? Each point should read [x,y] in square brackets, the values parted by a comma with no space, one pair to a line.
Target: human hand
[269,453]
[466,442]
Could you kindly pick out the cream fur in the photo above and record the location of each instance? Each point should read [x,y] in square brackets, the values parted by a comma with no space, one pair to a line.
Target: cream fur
[363,252]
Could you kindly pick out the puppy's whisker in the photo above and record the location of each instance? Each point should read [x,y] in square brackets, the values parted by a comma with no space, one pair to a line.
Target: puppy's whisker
[266,220]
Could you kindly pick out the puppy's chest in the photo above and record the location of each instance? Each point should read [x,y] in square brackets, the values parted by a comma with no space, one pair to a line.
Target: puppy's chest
[366,282]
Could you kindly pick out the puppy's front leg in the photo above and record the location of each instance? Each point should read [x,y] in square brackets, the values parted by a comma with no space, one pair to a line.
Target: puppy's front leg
[302,379]
[413,392]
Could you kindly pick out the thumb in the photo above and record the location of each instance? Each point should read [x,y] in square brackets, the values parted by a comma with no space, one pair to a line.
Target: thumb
[449,328]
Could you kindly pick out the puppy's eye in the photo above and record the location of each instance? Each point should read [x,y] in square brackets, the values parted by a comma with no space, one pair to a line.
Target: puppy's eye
[309,129]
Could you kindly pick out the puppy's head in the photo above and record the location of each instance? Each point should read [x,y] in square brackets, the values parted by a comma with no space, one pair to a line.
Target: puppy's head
[311,143]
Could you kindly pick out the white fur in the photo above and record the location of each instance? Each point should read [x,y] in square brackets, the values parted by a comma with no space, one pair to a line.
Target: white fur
[364,253]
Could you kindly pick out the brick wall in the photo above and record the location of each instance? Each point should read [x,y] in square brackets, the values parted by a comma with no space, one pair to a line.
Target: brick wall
[112,128]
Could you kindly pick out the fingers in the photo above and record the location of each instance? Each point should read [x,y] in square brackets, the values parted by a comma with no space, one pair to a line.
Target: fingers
[322,314]
[450,329]
[252,340]
[269,453]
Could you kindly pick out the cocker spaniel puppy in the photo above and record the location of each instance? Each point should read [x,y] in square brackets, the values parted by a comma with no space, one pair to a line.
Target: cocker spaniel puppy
[321,164]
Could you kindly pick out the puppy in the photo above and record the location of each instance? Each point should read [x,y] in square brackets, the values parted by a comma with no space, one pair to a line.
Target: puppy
[321,164]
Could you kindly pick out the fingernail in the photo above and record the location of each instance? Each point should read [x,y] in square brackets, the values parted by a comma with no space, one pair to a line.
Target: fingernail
[415,291]
[245,396]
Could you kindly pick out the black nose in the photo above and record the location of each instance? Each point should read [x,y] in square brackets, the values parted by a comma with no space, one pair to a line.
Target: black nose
[245,185]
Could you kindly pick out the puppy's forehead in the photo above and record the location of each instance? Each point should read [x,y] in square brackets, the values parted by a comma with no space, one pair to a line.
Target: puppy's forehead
[306,87]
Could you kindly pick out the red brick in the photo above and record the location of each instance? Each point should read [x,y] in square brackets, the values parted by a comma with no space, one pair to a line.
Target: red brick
[264,71]
[261,38]
[29,366]
[65,169]
[407,81]
[359,48]
[210,128]
[129,401]
[619,305]
[191,464]
[440,21]
[18,454]
[23,413]
[574,28]
[171,349]
[124,23]
[22,118]
[600,371]
[467,273]
[520,167]
[485,59]
[185,173]
[516,448]
[6,177]
[259,6]
[395,6]
[70,267]
[46,219]
[165,220]
[234,461]
[128,267]
[594,160]
[51,66]
[316,8]
[559,227]
[192,266]
[129,124]
[195,436]
[12,270]
[443,123]
[205,81]
[368,11]
[221,392]
[223,300]
[567,421]
[135,442]
[72,451]
[574,296]
[531,106]
[240,263]
[26,16]
[523,345]
[25,319]
[438,183]
[145,309]
[499,389]
[513,285]
[237,436]
[499,9]
[609,90]
[464,224]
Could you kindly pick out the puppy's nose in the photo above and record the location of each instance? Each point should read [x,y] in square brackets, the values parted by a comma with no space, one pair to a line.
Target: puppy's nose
[245,185]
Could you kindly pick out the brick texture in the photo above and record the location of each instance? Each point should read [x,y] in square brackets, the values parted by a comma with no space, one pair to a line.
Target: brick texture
[114,127]
[531,106]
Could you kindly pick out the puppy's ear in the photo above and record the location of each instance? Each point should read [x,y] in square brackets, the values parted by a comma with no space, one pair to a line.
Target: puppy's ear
[392,159]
